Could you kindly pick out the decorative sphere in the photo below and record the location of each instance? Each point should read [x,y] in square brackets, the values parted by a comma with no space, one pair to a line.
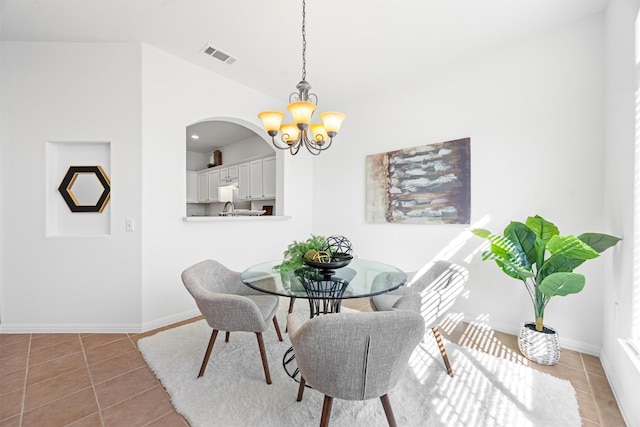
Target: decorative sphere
[338,245]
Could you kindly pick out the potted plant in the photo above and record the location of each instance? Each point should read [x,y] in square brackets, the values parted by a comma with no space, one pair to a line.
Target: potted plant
[296,251]
[536,254]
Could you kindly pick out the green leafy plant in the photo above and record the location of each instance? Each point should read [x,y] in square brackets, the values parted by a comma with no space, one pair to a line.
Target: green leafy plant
[544,261]
[296,250]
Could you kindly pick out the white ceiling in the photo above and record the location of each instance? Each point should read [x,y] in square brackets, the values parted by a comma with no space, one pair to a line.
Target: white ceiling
[214,134]
[352,45]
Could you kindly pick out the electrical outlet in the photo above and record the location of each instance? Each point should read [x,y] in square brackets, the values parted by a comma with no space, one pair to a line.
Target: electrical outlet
[129,224]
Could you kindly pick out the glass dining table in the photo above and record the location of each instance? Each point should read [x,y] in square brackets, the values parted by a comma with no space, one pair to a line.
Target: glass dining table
[324,288]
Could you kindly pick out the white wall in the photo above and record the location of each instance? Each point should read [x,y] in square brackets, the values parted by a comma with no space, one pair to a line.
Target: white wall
[69,92]
[140,100]
[177,94]
[535,118]
[622,370]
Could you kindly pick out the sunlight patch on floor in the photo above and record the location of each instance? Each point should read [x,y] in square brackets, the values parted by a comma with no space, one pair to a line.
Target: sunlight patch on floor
[464,399]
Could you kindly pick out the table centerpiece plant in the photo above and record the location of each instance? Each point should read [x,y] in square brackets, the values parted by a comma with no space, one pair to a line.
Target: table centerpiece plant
[295,252]
[535,253]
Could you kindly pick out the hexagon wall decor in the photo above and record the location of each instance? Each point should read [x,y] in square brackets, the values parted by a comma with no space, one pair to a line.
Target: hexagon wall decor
[79,203]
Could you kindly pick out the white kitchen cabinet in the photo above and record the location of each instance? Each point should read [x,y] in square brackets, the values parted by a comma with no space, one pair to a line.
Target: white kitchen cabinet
[269,178]
[243,181]
[223,175]
[255,179]
[214,182]
[233,172]
[228,175]
[192,187]
[203,187]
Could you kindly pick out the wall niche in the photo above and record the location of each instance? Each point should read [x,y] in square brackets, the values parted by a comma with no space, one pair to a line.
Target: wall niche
[78,188]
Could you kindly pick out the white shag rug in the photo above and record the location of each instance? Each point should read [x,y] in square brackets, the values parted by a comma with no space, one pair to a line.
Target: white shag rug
[485,391]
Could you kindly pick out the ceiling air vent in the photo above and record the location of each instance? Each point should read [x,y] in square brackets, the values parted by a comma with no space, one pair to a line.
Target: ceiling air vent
[214,52]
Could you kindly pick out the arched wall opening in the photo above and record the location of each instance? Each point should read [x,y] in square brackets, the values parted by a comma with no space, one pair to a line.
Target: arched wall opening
[231,152]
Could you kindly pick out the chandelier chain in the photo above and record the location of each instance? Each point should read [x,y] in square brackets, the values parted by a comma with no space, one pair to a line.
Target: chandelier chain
[304,42]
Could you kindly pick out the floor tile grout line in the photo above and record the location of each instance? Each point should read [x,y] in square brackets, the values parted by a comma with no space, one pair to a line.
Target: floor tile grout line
[134,395]
[119,375]
[24,389]
[161,416]
[591,390]
[13,343]
[57,398]
[71,424]
[106,360]
[56,376]
[93,387]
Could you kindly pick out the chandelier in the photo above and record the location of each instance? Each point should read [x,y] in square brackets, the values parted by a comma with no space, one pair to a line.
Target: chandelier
[302,104]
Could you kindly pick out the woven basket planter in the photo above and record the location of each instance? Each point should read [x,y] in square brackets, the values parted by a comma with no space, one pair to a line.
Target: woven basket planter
[540,347]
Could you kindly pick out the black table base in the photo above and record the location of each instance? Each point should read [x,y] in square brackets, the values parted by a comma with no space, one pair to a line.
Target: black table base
[325,297]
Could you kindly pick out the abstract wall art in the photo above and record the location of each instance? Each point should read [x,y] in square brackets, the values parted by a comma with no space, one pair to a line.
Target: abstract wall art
[427,184]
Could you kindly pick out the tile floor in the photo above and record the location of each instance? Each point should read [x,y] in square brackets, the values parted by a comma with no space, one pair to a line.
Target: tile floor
[101,379]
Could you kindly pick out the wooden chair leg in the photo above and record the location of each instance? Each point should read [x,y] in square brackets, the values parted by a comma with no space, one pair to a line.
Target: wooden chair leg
[387,410]
[275,323]
[212,340]
[443,351]
[263,355]
[301,388]
[226,336]
[326,411]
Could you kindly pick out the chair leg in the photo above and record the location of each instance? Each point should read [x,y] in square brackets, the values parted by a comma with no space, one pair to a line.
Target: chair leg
[226,336]
[387,410]
[326,411]
[263,355]
[212,340]
[301,389]
[275,323]
[443,351]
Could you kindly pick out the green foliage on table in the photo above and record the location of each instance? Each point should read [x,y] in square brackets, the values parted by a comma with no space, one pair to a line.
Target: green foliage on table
[544,261]
[296,250]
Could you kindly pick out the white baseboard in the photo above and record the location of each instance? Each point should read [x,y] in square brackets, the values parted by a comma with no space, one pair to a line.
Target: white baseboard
[627,381]
[130,328]
[68,328]
[165,321]
[513,329]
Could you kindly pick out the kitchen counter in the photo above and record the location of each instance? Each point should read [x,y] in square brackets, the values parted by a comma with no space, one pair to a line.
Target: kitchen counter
[234,218]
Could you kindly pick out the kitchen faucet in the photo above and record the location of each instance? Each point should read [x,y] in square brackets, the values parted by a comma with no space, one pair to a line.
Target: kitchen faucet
[228,205]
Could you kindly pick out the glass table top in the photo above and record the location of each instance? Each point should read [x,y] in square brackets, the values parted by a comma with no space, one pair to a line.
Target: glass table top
[362,278]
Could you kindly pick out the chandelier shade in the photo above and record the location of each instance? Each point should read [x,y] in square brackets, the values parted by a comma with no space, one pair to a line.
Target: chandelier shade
[290,133]
[302,105]
[271,121]
[332,121]
[319,132]
[302,112]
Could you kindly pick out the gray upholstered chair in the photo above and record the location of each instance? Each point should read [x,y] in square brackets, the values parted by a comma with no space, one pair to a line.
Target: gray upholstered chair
[430,292]
[229,305]
[354,356]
